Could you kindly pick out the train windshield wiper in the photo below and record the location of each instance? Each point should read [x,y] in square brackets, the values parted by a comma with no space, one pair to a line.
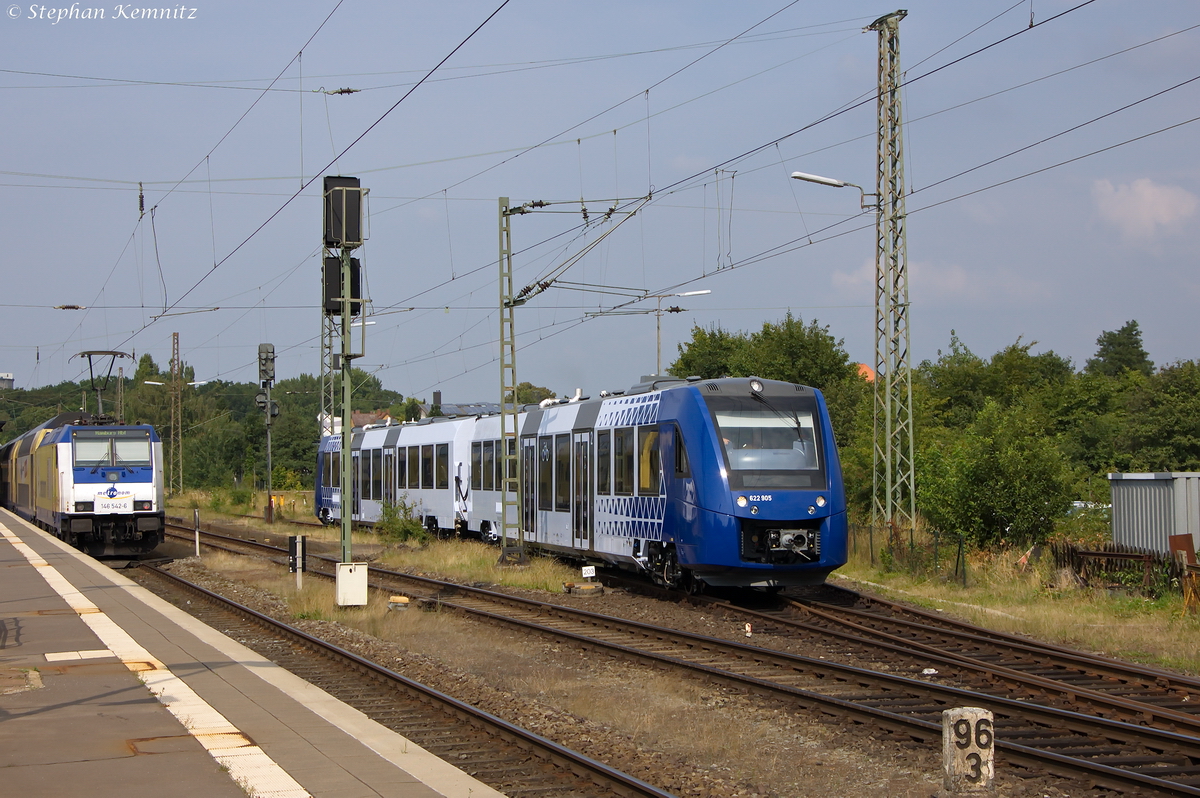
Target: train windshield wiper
[791,416]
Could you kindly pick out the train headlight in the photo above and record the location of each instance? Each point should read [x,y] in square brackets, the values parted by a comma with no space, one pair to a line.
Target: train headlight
[811,510]
[756,386]
[84,507]
[820,501]
[754,510]
[742,501]
[143,505]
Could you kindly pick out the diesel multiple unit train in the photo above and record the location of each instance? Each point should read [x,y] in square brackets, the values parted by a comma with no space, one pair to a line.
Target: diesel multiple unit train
[724,482]
[97,486]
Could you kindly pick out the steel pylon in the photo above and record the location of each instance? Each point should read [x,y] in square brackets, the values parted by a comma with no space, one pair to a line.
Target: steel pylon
[894,483]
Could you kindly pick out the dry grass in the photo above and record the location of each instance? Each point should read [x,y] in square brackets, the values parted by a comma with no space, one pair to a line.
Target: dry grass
[473,562]
[1044,604]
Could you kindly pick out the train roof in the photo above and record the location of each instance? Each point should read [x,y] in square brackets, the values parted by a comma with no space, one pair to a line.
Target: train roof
[647,384]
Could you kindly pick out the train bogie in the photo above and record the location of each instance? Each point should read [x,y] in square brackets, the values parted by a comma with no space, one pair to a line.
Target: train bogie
[732,482]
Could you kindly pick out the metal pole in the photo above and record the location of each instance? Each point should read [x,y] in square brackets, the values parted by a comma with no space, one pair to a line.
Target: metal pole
[196,522]
[270,496]
[658,324]
[347,414]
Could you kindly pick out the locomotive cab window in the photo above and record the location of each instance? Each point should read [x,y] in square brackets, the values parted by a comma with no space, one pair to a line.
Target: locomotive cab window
[96,450]
[769,442]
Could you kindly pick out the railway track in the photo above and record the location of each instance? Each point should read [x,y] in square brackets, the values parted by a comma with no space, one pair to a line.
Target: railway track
[884,620]
[1040,723]
[502,755]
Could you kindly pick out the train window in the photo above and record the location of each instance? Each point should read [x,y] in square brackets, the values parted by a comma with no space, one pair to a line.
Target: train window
[334,479]
[442,466]
[476,466]
[357,478]
[772,442]
[499,466]
[401,468]
[427,466]
[623,461]
[512,453]
[682,469]
[414,467]
[131,451]
[389,476]
[377,474]
[545,473]
[91,453]
[489,466]
[604,462]
[649,462]
[562,472]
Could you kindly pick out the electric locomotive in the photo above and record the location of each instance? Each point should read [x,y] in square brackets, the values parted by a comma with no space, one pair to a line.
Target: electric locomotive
[96,485]
[724,482]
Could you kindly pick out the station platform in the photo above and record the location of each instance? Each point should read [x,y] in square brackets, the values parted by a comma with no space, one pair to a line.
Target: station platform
[107,690]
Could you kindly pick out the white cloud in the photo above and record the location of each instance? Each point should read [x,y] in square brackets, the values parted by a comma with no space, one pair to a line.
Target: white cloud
[1140,208]
[941,283]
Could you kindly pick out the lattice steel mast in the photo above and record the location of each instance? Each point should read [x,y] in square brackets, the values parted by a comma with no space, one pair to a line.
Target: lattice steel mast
[175,458]
[894,502]
[512,533]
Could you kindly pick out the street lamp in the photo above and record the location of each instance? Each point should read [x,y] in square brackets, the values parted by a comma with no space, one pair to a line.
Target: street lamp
[835,183]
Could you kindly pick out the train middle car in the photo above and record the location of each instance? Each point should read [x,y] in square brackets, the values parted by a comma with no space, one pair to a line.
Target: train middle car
[99,487]
[727,482]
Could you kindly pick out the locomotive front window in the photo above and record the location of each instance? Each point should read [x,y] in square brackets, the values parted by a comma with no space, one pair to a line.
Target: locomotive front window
[771,443]
[96,450]
[92,453]
[132,451]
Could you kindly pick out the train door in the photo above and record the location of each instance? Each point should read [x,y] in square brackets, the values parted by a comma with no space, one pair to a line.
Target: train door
[581,491]
[529,460]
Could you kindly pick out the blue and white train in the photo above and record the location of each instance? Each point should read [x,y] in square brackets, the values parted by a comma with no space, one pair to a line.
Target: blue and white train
[97,486]
[726,482]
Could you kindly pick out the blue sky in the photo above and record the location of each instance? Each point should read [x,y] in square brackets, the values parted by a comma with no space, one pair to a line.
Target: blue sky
[566,101]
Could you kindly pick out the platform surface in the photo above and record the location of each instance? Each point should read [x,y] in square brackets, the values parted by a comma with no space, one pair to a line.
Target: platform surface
[107,690]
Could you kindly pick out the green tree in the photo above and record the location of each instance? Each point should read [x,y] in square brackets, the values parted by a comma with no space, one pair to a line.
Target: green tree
[1001,481]
[794,352]
[1120,350]
[710,354]
[530,394]
[1162,431]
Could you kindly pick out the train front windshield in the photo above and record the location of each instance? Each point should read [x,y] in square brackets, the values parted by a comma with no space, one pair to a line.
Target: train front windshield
[103,448]
[769,443]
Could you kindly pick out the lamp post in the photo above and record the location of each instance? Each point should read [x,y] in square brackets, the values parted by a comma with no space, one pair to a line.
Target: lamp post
[894,480]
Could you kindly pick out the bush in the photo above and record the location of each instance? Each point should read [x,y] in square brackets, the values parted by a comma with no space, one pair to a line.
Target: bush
[216,502]
[241,497]
[399,523]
